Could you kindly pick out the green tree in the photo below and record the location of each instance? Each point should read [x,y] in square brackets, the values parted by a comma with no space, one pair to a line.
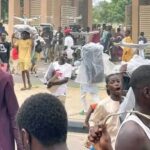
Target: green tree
[113,12]
[4,10]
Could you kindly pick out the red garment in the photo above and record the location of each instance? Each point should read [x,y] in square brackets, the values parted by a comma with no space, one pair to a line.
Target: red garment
[96,38]
[14,53]
[93,106]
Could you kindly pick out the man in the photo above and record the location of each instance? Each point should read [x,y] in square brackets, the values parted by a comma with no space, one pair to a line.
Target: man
[134,133]
[24,47]
[2,29]
[4,49]
[62,71]
[91,73]
[42,120]
[68,43]
[142,40]
[59,42]
[8,109]
[47,35]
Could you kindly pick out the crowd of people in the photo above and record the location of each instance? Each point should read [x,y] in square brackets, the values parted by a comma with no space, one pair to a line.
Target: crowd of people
[120,121]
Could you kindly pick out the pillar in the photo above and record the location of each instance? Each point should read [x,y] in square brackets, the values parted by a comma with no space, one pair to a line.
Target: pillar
[135,20]
[57,13]
[27,8]
[90,7]
[44,11]
[14,10]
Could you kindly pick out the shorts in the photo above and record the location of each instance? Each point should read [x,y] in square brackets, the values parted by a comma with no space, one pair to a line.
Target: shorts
[24,66]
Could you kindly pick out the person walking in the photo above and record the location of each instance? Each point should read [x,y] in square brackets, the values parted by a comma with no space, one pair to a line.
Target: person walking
[24,46]
[4,50]
[58,39]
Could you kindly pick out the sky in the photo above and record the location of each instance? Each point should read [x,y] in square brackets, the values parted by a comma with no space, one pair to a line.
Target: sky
[96,1]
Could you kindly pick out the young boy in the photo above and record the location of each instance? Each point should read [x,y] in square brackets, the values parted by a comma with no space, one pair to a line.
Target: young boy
[108,106]
[62,72]
[24,46]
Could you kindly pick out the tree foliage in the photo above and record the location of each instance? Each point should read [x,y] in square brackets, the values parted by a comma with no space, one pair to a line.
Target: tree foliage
[113,12]
[4,10]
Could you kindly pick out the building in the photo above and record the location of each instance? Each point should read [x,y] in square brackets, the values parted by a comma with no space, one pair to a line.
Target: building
[140,18]
[58,12]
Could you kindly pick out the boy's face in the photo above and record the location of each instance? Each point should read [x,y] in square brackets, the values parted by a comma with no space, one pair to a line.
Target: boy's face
[114,85]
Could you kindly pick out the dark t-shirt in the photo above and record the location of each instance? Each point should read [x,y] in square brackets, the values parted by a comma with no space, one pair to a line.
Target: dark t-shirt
[5,52]
[47,36]
[59,38]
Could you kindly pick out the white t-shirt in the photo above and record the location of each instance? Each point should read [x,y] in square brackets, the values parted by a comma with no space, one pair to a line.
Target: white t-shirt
[65,71]
[68,41]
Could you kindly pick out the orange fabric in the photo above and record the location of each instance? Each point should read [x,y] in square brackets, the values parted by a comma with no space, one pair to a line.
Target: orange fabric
[127,52]
[93,106]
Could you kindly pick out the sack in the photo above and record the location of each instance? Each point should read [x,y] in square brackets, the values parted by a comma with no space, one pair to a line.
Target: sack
[38,47]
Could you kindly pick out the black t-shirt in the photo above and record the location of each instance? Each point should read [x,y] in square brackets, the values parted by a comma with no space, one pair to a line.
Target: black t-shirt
[59,37]
[5,52]
[47,36]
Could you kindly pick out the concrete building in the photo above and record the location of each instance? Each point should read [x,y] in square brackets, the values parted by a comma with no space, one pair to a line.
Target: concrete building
[140,18]
[58,12]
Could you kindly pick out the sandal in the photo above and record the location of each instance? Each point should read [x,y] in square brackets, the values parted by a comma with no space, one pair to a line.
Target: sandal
[23,89]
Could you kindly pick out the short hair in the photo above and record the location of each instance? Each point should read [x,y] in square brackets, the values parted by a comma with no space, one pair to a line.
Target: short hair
[142,33]
[140,77]
[107,78]
[118,29]
[45,118]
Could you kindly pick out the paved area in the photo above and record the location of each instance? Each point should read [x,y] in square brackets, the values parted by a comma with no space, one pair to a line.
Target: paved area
[73,105]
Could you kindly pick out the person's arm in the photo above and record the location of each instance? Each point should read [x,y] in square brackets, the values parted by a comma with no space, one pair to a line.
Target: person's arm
[60,82]
[12,108]
[13,44]
[8,51]
[131,137]
[88,115]
[67,76]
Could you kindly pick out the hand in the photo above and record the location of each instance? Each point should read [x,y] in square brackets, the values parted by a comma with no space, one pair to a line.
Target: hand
[50,84]
[86,125]
[123,68]
[100,138]
[13,35]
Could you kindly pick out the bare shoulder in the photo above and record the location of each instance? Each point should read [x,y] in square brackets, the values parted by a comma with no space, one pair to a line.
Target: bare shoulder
[132,136]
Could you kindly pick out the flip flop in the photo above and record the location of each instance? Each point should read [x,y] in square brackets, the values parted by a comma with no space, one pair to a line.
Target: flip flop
[23,89]
[30,86]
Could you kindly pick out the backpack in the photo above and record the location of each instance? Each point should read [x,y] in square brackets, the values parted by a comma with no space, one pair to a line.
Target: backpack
[38,47]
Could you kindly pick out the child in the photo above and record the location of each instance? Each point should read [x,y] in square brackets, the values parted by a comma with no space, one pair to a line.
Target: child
[24,46]
[108,106]
[57,77]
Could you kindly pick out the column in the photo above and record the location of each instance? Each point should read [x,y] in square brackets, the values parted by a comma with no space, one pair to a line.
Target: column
[14,10]
[135,20]
[89,19]
[27,8]
[57,13]
[44,11]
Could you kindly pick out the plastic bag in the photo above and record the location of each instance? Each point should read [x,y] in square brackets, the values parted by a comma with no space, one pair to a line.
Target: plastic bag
[92,68]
